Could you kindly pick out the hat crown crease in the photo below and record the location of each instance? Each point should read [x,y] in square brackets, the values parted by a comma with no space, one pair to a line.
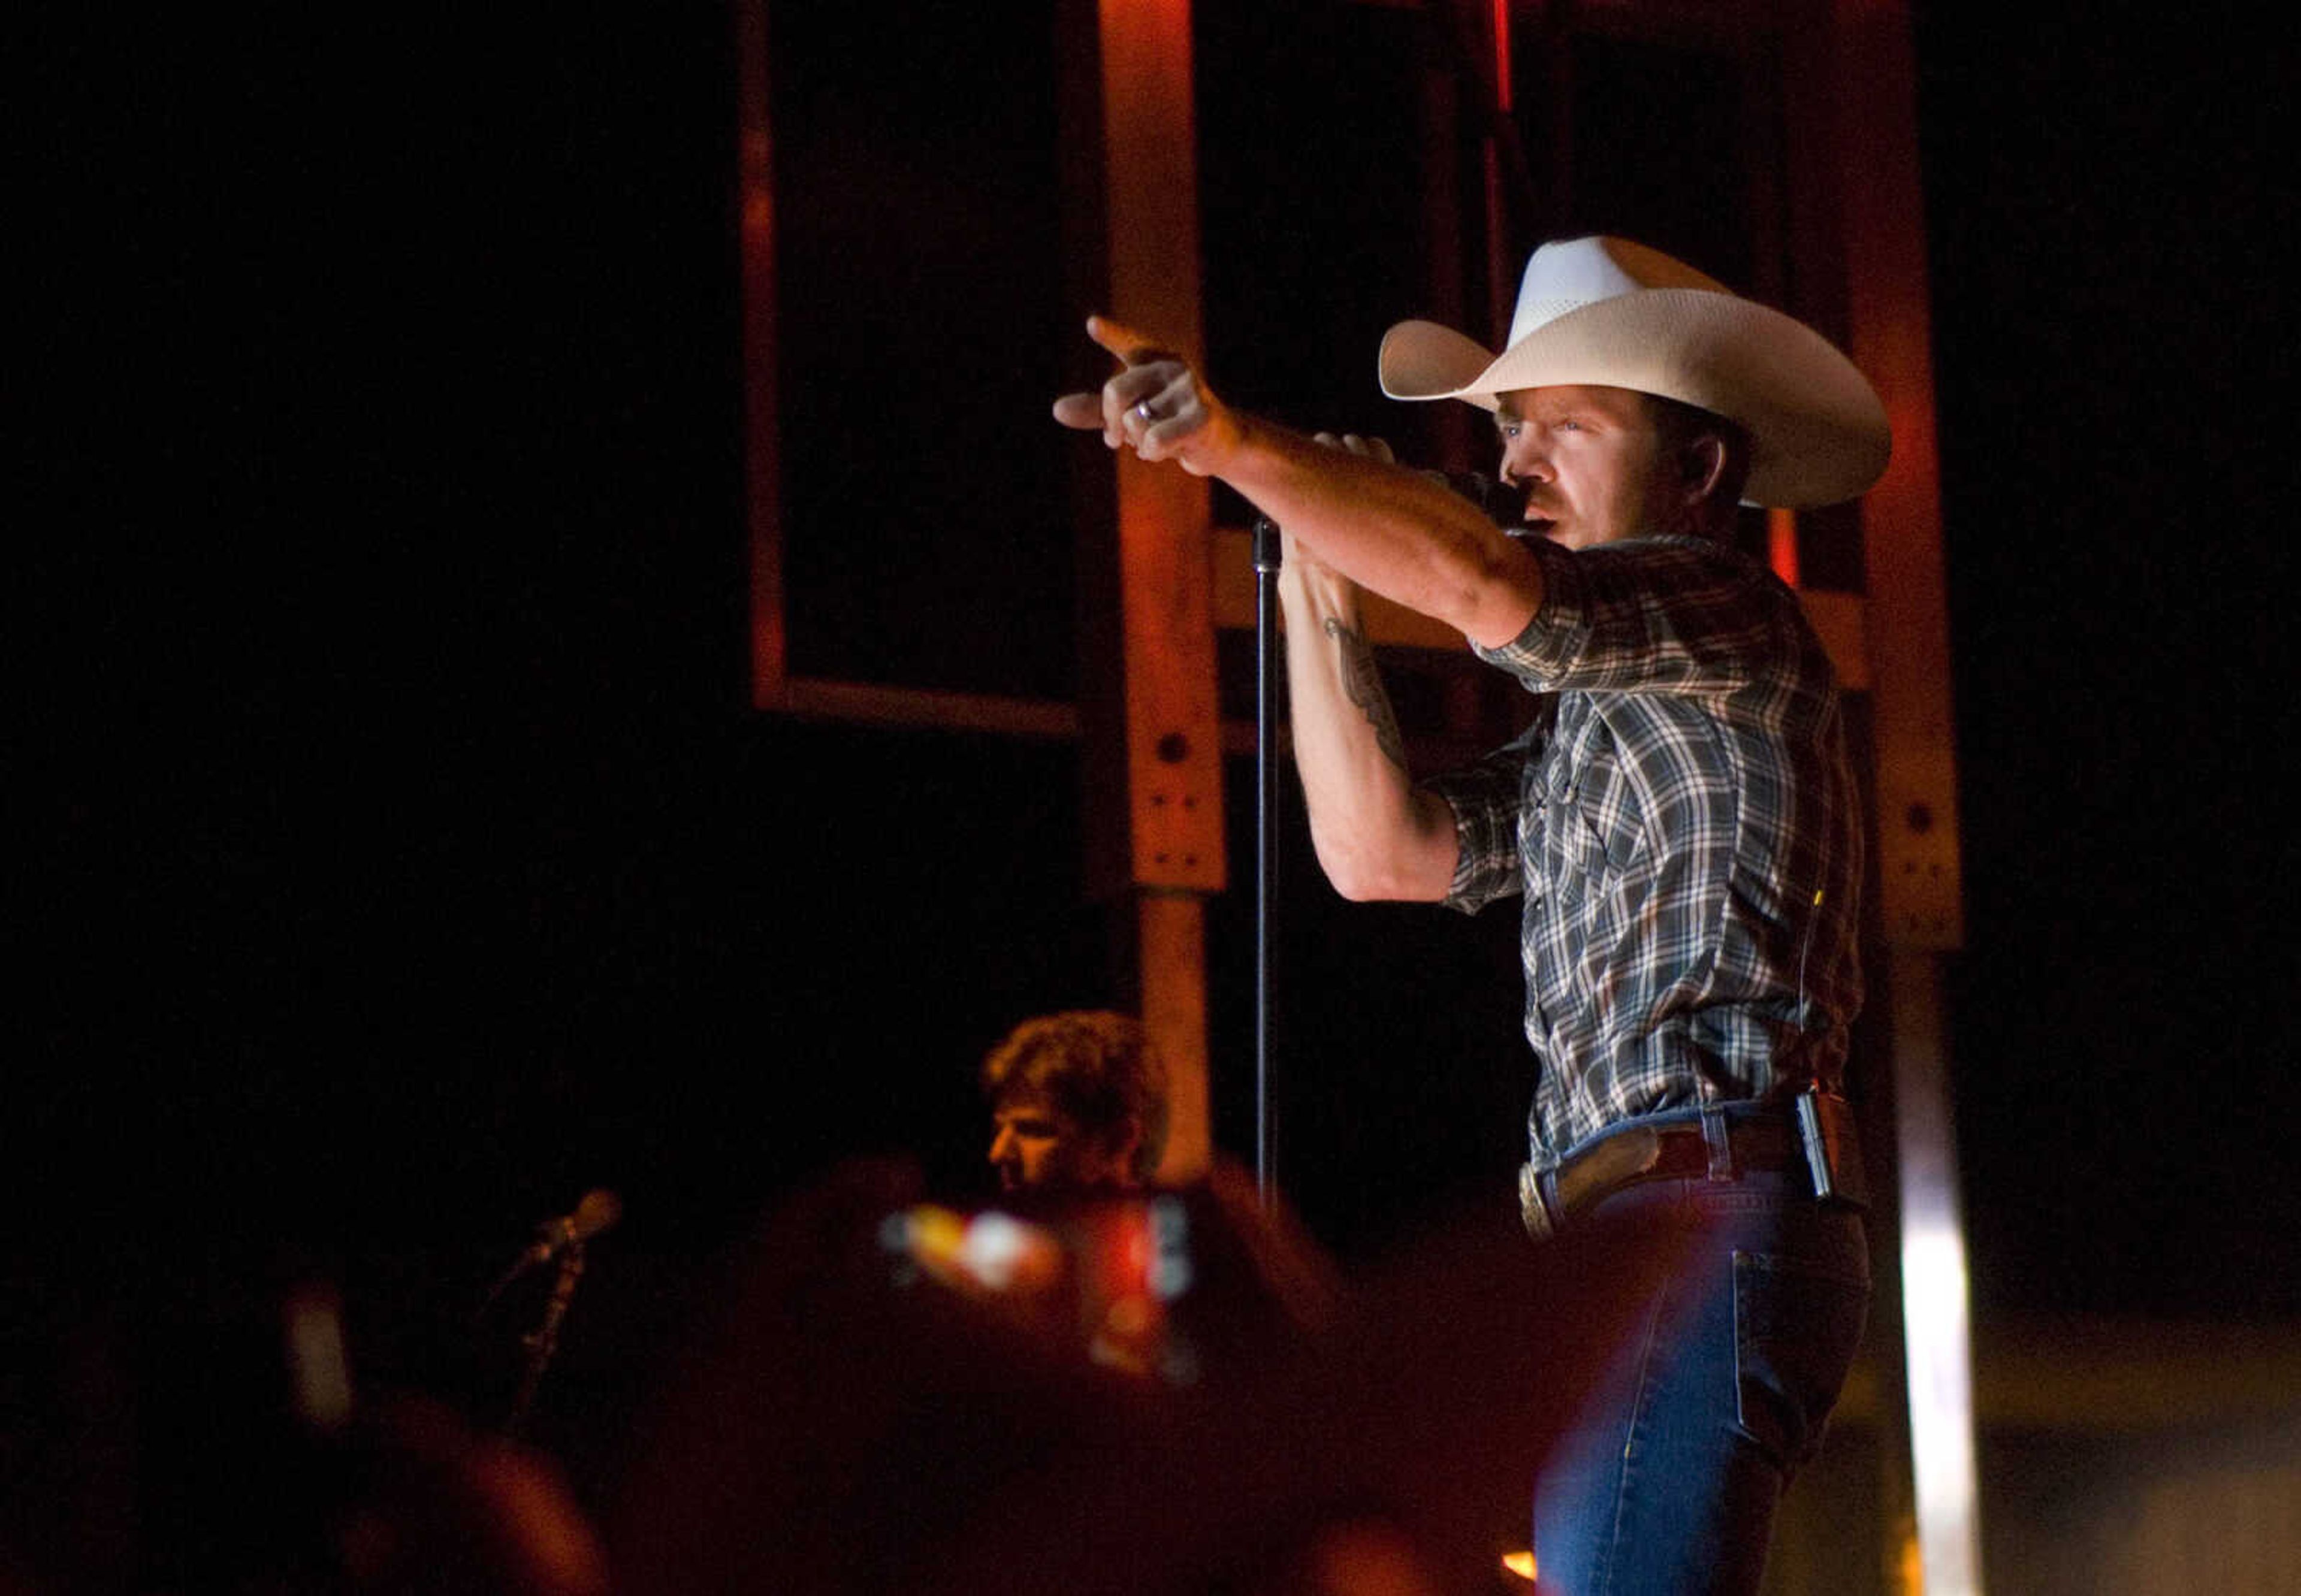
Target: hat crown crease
[1569,273]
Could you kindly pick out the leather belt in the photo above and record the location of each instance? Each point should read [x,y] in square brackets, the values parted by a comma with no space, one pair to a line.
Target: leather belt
[1815,1141]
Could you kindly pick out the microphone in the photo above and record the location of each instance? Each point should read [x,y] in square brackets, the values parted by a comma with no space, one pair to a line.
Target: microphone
[1503,503]
[554,1238]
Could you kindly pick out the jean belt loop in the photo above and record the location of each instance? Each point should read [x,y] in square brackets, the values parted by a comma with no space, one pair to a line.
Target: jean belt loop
[1714,1137]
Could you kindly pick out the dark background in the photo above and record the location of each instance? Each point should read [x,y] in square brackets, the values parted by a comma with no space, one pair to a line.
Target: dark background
[401,856]
[2104,208]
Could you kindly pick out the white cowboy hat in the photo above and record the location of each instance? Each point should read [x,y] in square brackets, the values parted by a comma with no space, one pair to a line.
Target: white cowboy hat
[1609,313]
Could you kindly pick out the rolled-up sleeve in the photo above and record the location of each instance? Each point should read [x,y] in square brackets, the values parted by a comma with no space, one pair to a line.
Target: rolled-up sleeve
[1485,798]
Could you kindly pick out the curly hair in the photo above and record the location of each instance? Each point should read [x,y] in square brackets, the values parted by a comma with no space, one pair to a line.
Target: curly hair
[1095,1066]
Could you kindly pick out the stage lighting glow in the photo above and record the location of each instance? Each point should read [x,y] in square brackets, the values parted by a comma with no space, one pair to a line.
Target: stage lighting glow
[1781,544]
[1941,1399]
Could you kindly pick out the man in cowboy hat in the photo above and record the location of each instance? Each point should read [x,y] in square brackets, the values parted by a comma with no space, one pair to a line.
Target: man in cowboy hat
[1679,821]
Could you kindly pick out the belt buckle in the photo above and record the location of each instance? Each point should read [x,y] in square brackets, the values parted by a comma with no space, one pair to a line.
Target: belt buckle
[1532,1208]
[1598,1170]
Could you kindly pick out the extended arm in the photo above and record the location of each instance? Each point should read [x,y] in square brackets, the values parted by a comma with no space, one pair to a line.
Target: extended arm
[1384,527]
[1377,835]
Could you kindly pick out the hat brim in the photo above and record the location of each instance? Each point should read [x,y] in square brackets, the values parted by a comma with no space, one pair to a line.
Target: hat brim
[1818,433]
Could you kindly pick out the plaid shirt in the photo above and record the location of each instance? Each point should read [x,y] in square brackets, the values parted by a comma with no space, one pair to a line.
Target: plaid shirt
[1683,825]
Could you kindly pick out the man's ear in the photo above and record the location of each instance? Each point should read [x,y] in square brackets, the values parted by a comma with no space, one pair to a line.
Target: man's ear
[1702,464]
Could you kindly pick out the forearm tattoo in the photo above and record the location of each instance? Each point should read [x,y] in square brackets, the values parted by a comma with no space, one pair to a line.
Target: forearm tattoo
[1363,684]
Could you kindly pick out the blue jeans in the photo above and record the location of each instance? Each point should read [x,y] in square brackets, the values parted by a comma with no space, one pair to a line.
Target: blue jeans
[1668,1477]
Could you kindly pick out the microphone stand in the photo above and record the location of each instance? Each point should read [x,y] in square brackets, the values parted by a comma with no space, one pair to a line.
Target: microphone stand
[1505,505]
[1266,851]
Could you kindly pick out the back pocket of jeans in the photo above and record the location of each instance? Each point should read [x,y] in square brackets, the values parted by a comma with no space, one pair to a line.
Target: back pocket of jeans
[1797,1326]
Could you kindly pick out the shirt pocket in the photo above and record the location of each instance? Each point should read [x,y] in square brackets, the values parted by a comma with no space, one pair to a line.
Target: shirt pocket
[1596,815]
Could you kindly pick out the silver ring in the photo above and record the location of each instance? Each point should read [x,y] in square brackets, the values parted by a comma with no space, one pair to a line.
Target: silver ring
[1142,410]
